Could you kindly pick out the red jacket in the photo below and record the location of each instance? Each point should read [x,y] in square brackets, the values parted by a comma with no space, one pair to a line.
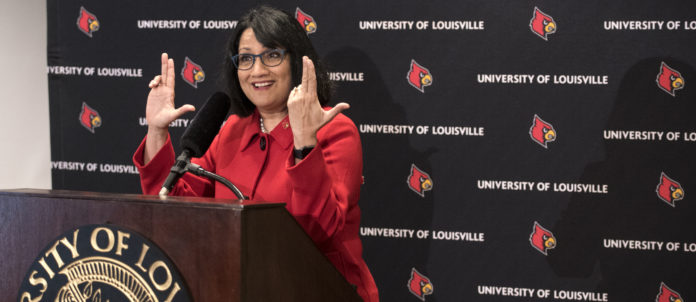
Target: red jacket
[321,191]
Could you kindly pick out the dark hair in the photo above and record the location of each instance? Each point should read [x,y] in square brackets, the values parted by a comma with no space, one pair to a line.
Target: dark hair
[274,28]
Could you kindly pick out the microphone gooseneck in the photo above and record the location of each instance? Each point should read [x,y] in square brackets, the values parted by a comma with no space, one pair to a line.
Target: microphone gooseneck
[197,170]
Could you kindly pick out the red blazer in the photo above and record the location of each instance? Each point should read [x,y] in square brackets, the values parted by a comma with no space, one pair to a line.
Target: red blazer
[321,191]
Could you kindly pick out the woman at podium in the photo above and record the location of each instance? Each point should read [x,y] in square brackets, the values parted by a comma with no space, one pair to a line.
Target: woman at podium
[281,144]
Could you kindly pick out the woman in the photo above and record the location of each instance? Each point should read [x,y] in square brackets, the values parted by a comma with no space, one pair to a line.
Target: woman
[281,145]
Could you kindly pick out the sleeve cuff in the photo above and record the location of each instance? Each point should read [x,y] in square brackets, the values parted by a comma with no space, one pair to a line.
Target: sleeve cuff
[153,173]
[309,174]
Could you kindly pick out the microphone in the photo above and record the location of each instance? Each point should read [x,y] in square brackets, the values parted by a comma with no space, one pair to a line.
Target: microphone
[198,136]
[206,124]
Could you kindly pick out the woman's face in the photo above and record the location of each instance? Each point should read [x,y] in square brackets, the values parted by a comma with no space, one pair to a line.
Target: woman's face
[266,87]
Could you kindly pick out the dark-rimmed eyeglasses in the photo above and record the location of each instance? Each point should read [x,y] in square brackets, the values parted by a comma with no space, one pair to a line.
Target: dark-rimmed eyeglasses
[270,58]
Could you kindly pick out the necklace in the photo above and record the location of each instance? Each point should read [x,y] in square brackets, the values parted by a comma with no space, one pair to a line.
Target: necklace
[263,129]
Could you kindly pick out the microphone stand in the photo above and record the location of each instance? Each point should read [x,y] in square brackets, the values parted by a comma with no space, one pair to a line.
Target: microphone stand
[183,165]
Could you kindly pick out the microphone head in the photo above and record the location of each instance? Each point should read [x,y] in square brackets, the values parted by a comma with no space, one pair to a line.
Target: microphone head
[206,124]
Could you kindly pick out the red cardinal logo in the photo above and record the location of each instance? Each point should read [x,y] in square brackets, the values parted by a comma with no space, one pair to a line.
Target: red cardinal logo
[542,239]
[542,132]
[668,295]
[419,76]
[89,118]
[87,22]
[669,79]
[419,285]
[542,24]
[307,22]
[192,73]
[669,190]
[419,181]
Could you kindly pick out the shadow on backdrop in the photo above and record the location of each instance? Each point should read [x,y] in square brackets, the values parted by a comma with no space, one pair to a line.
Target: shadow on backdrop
[632,209]
[385,199]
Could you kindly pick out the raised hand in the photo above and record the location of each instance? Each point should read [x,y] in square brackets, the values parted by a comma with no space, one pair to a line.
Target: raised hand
[305,113]
[160,110]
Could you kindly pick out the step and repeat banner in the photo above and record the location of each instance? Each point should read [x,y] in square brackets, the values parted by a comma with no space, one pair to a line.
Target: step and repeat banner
[513,150]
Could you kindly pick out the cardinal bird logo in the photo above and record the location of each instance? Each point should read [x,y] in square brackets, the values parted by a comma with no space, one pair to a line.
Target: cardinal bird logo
[307,22]
[419,181]
[87,22]
[419,285]
[542,239]
[89,118]
[192,73]
[542,132]
[668,295]
[542,24]
[669,79]
[669,190]
[418,76]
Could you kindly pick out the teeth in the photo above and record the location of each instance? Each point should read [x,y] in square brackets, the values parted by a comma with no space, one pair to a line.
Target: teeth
[262,84]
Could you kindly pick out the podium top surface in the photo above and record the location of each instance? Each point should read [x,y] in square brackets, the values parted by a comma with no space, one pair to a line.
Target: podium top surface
[182,200]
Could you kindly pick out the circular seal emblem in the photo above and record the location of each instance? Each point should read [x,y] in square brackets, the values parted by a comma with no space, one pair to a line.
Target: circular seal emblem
[102,263]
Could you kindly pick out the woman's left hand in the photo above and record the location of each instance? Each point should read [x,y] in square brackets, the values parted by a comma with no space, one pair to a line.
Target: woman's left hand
[305,113]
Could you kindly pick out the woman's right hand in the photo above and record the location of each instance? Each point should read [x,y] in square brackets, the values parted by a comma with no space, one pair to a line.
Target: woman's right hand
[160,110]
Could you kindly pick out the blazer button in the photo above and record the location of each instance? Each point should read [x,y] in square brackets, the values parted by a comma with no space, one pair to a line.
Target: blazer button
[262,143]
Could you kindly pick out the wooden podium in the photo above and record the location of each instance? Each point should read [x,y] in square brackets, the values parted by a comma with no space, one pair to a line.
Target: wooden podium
[225,250]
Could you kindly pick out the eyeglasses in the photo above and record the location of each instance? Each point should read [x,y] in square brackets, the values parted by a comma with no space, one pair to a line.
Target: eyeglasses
[270,58]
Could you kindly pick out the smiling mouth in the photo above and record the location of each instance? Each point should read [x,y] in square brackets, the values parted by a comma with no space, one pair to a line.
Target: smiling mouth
[262,84]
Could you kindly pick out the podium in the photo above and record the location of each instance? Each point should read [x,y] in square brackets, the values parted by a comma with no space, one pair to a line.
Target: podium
[224,250]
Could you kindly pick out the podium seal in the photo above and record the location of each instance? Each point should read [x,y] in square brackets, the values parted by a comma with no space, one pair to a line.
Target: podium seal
[102,263]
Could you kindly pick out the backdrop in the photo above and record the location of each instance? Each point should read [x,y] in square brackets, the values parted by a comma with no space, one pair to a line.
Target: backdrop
[513,150]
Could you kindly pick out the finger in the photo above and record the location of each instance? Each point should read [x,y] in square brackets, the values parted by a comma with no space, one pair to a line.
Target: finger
[183,109]
[163,73]
[170,74]
[305,72]
[330,114]
[341,106]
[155,82]
[311,86]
